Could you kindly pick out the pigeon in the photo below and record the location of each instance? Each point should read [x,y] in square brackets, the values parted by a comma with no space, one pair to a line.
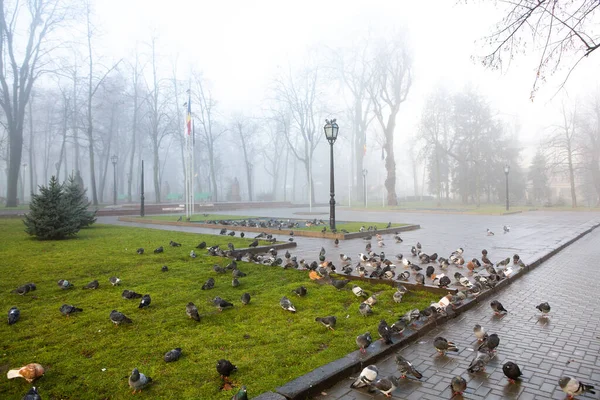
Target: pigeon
[67,309]
[458,384]
[13,315]
[301,291]
[544,308]
[221,304]
[365,309]
[235,282]
[572,386]
[386,385]
[192,311]
[245,299]
[30,372]
[358,291]
[140,251]
[236,273]
[137,380]
[130,294]
[225,368]
[159,250]
[286,304]
[209,284]
[119,318]
[232,233]
[114,280]
[164,268]
[367,376]
[385,332]
[479,332]
[506,228]
[32,394]
[490,343]
[328,322]
[24,289]
[489,233]
[242,394]
[201,245]
[174,244]
[511,371]
[193,254]
[371,300]
[172,355]
[444,281]
[442,345]
[498,308]
[363,341]
[223,231]
[145,302]
[65,284]
[254,243]
[242,234]
[479,362]
[420,279]
[406,368]
[339,283]
[403,276]
[218,269]
[92,285]
[398,296]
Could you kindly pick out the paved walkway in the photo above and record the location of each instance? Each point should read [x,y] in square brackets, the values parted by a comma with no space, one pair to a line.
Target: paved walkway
[568,343]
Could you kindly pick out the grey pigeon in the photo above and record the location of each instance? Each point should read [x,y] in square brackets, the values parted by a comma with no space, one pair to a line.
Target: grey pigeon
[301,291]
[119,318]
[13,315]
[242,394]
[221,304]
[67,309]
[24,289]
[403,276]
[137,380]
[236,273]
[158,250]
[405,367]
[209,284]
[145,302]
[442,345]
[365,309]
[235,282]
[544,308]
[385,332]
[114,280]
[479,362]
[92,285]
[193,254]
[339,283]
[245,299]
[458,384]
[386,385]
[479,332]
[498,308]
[218,269]
[202,245]
[363,341]
[511,371]
[174,244]
[286,304]
[173,355]
[130,294]
[64,284]
[140,251]
[573,387]
[398,296]
[490,343]
[225,368]
[366,377]
[328,322]
[32,394]
[192,311]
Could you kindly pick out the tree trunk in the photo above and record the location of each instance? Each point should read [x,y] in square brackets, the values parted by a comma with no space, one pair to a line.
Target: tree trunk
[31,146]
[572,179]
[213,175]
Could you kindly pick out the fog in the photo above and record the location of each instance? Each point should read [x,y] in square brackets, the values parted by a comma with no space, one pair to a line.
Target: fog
[269,73]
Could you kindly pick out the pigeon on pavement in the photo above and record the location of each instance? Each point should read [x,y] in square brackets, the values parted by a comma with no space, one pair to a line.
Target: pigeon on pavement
[145,302]
[479,362]
[286,304]
[67,309]
[137,380]
[490,343]
[387,385]
[544,308]
[328,322]
[119,318]
[172,355]
[13,315]
[511,371]
[385,332]
[479,332]
[366,377]
[442,345]
[498,308]
[458,384]
[573,387]
[192,311]
[406,368]
[363,341]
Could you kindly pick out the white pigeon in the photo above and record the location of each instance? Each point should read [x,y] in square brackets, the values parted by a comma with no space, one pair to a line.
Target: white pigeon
[367,377]
[573,387]
[286,304]
[358,291]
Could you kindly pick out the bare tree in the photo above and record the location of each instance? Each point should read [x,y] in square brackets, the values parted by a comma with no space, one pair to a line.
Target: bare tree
[392,80]
[136,74]
[244,130]
[552,28]
[26,32]
[272,153]
[590,127]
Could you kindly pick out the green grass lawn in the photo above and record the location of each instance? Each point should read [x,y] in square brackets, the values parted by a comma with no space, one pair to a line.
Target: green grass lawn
[86,357]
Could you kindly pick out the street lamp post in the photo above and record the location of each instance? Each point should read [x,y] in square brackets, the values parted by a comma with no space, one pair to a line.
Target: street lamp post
[365,172]
[24,174]
[114,159]
[331,131]
[142,211]
[506,171]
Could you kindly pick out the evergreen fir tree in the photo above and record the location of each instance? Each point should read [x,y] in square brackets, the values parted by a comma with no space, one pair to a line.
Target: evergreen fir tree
[79,204]
[50,215]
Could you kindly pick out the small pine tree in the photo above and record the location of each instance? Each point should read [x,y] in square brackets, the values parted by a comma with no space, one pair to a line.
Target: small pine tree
[79,204]
[50,215]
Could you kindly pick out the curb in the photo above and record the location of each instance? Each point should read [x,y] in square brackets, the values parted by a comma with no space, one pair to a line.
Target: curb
[312,383]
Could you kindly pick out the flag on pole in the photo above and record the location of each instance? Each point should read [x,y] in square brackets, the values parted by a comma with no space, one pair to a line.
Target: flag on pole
[365,149]
[188,118]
